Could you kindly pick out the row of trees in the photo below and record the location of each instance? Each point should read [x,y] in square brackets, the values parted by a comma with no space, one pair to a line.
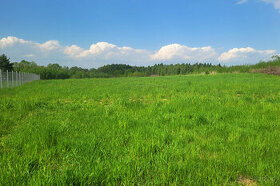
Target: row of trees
[55,71]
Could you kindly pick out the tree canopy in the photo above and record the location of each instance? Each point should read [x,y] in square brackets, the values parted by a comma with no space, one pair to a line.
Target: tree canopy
[55,71]
[5,63]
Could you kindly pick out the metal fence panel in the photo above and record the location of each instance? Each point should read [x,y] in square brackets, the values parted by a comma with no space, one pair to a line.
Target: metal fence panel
[14,79]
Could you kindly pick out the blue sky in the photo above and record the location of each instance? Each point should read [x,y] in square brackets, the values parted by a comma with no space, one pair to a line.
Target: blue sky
[91,33]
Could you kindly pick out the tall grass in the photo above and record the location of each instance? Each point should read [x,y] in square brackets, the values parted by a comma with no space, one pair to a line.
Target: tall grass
[184,130]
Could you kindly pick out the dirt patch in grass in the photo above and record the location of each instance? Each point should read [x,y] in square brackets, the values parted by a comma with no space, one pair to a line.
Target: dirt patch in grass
[154,75]
[269,70]
[243,180]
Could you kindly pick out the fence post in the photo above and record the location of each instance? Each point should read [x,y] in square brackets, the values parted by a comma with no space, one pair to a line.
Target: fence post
[20,78]
[1,78]
[16,78]
[12,78]
[7,79]
[20,74]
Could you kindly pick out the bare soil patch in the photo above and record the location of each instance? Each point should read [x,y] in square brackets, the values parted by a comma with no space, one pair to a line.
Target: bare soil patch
[242,180]
[269,70]
[154,75]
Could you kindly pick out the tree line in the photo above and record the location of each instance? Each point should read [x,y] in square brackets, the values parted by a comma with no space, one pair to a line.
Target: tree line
[55,71]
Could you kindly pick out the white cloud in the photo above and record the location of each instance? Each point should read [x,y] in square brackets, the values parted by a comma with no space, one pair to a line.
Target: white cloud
[73,51]
[101,49]
[49,45]
[276,3]
[108,53]
[43,53]
[245,55]
[10,40]
[183,53]
[102,53]
[241,2]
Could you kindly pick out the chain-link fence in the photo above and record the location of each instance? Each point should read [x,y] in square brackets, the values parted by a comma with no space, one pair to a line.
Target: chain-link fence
[13,79]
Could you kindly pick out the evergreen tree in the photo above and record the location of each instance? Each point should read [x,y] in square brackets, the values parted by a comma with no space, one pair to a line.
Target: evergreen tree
[5,63]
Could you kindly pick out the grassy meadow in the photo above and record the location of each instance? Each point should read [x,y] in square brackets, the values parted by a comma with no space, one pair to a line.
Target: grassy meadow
[179,130]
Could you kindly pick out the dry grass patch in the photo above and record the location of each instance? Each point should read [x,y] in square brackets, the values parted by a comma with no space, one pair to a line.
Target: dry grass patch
[269,70]
[243,180]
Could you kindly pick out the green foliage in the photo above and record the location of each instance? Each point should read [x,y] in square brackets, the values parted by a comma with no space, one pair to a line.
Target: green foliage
[5,63]
[175,130]
[276,57]
[55,71]
[114,69]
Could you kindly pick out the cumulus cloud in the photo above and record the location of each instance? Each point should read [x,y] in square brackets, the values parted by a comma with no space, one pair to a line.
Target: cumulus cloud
[43,53]
[73,50]
[49,45]
[103,53]
[181,52]
[9,41]
[106,53]
[103,50]
[245,55]
[12,41]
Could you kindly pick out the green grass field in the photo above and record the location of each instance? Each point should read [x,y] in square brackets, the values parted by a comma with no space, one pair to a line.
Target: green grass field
[184,130]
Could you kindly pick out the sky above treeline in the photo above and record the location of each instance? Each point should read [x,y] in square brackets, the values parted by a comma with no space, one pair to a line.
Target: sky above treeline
[92,33]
